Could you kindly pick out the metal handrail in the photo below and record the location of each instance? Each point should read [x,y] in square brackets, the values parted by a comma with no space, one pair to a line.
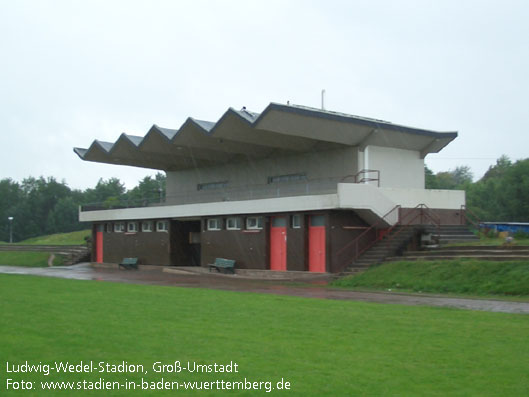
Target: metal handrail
[464,217]
[364,179]
[366,232]
[401,221]
[240,192]
[424,209]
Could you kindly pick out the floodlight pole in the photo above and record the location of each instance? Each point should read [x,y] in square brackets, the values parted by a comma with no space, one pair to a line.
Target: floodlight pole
[10,219]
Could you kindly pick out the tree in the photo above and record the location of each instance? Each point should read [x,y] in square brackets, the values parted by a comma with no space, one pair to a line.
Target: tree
[457,179]
[149,190]
[502,194]
[104,190]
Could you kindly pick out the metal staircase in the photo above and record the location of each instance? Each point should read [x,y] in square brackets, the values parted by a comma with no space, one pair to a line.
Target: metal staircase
[391,245]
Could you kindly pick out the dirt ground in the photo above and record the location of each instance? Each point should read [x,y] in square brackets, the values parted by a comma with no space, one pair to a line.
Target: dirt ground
[306,289]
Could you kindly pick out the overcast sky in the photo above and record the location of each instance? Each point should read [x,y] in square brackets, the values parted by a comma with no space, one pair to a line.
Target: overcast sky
[75,71]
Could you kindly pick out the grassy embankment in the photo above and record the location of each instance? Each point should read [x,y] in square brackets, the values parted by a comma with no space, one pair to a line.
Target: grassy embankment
[40,259]
[322,347]
[477,277]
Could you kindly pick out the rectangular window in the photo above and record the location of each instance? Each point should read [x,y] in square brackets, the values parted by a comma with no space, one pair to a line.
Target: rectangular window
[214,224]
[287,178]
[233,224]
[108,227]
[279,221]
[254,222]
[212,185]
[132,227]
[296,221]
[146,226]
[162,226]
[119,227]
[317,220]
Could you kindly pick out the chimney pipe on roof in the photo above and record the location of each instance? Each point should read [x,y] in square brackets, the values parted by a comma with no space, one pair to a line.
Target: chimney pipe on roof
[323,99]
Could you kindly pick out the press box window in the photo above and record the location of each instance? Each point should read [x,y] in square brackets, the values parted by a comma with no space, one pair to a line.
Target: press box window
[214,224]
[146,226]
[233,224]
[212,185]
[287,178]
[162,226]
[296,221]
[132,227]
[254,222]
[119,227]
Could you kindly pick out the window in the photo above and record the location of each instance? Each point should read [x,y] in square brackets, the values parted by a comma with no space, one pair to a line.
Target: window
[254,222]
[119,227]
[108,227]
[317,220]
[162,226]
[287,178]
[279,221]
[212,185]
[132,227]
[233,224]
[296,221]
[214,224]
[146,226]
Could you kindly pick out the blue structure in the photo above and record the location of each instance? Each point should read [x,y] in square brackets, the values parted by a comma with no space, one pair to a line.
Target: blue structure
[511,227]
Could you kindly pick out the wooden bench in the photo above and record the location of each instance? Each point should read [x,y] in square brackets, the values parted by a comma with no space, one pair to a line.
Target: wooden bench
[129,263]
[226,264]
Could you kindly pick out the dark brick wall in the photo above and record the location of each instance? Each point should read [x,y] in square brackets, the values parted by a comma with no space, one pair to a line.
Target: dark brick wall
[152,248]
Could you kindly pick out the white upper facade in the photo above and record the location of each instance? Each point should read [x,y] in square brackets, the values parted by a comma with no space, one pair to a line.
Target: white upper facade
[286,151]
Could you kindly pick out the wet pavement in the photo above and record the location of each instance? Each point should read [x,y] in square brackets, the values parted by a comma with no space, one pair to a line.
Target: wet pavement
[307,289]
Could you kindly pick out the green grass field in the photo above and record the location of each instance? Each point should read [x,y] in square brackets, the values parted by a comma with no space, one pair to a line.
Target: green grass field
[322,347]
[28,259]
[40,259]
[464,276]
[72,238]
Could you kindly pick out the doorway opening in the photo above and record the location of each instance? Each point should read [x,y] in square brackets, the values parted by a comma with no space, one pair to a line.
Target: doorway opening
[185,243]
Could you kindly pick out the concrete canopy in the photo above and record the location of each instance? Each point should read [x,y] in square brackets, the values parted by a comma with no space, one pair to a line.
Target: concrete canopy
[279,130]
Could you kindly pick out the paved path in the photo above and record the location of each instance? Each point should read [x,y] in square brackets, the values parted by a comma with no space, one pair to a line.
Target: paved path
[316,289]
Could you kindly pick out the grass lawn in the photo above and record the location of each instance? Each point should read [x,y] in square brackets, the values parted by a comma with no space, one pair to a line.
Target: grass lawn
[72,238]
[464,276]
[28,259]
[322,347]
[40,259]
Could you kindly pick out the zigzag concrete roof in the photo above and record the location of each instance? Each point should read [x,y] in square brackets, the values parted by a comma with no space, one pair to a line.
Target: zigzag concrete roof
[241,134]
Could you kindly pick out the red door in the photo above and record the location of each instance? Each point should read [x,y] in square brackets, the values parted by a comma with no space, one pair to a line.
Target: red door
[99,244]
[278,244]
[317,244]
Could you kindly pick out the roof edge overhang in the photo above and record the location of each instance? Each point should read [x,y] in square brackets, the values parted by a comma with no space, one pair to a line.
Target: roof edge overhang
[272,131]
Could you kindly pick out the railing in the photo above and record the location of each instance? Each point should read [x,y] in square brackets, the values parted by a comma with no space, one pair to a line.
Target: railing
[424,213]
[464,217]
[365,176]
[237,193]
[358,250]
[250,192]
[403,221]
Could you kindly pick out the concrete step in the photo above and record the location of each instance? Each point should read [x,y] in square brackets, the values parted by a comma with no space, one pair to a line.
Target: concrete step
[453,233]
[451,257]
[484,248]
[454,239]
[457,252]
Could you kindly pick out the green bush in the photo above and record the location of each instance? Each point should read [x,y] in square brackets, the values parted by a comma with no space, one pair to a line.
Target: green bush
[521,235]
